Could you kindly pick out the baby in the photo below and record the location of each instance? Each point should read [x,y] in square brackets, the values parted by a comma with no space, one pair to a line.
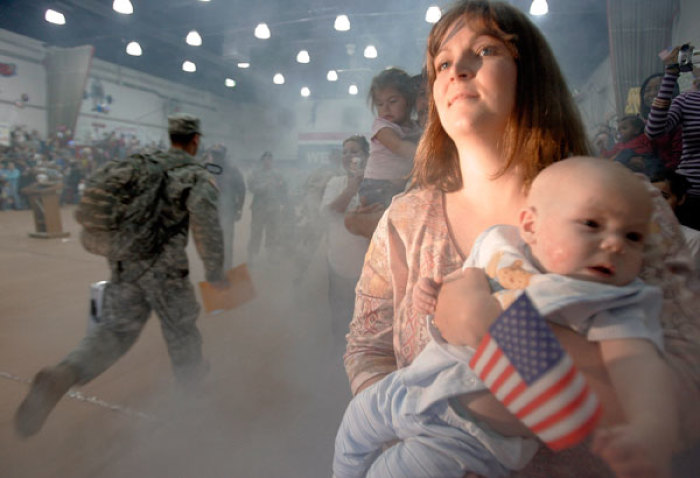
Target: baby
[577,252]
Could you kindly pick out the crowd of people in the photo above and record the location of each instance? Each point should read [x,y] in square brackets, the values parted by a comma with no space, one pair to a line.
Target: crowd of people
[29,158]
[661,142]
[485,142]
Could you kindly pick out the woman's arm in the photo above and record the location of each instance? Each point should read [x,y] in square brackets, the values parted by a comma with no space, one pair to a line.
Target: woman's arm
[663,115]
[370,350]
[338,201]
[642,381]
[363,220]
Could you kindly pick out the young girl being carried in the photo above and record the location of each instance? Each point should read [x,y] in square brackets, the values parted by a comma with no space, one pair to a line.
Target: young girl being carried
[394,137]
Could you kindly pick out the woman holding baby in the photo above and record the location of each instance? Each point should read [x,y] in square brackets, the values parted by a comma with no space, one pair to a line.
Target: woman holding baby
[499,113]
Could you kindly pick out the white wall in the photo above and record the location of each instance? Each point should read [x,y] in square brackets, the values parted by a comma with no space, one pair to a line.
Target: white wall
[141,103]
[26,55]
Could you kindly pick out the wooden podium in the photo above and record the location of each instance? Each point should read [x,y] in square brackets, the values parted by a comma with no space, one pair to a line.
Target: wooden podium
[44,199]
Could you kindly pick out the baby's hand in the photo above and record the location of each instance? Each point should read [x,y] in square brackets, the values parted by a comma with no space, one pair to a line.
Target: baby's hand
[630,454]
[465,307]
[425,295]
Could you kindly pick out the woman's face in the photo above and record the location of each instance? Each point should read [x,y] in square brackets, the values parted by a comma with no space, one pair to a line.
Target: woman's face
[475,81]
[354,158]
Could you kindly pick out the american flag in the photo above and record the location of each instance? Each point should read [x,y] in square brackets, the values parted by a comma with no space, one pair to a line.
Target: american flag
[521,361]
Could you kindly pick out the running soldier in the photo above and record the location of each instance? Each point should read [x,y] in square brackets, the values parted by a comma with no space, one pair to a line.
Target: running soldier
[137,287]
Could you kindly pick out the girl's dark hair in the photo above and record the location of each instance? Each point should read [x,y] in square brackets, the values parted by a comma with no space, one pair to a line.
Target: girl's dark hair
[545,125]
[393,78]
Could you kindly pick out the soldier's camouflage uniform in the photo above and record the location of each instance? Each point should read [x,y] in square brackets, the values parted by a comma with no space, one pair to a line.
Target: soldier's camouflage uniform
[160,283]
[269,191]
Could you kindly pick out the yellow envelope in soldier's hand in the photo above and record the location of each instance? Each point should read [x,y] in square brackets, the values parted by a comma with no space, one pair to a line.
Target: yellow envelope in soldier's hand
[239,291]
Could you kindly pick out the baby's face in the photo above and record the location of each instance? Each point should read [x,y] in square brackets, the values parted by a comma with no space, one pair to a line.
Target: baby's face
[592,233]
[626,131]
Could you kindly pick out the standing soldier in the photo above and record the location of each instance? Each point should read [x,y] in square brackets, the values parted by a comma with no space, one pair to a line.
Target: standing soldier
[157,283]
[231,198]
[269,196]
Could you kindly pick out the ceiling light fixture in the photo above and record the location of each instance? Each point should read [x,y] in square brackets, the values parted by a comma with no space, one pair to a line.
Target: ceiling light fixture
[332,75]
[370,51]
[123,6]
[262,31]
[305,92]
[52,16]
[278,79]
[353,90]
[539,7]
[230,82]
[188,66]
[243,65]
[194,38]
[133,49]
[433,14]
[342,23]
[303,56]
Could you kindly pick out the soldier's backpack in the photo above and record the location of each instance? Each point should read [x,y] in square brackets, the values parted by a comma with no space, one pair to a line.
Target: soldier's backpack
[120,209]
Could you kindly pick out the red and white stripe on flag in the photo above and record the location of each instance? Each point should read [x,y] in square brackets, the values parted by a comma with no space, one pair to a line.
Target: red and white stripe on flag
[525,368]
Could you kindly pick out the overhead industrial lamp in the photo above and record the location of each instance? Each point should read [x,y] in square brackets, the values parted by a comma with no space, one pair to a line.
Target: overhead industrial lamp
[194,38]
[539,7]
[262,31]
[52,16]
[123,6]
[342,23]
[370,51]
[433,14]
[303,56]
[133,49]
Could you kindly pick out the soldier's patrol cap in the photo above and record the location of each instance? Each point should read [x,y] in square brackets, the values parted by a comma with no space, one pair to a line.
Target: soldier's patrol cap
[183,124]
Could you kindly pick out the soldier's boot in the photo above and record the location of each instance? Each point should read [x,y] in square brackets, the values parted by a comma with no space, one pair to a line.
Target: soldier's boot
[47,388]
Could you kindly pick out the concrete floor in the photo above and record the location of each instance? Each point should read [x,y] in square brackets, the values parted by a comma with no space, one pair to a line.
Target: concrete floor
[269,407]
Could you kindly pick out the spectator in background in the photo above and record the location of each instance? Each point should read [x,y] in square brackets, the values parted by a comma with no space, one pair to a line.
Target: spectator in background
[674,188]
[603,139]
[72,178]
[10,189]
[269,195]
[310,228]
[421,104]
[231,198]
[667,114]
[668,147]
[630,135]
[346,251]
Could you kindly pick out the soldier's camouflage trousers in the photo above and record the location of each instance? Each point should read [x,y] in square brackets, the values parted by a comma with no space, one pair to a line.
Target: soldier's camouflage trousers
[125,310]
